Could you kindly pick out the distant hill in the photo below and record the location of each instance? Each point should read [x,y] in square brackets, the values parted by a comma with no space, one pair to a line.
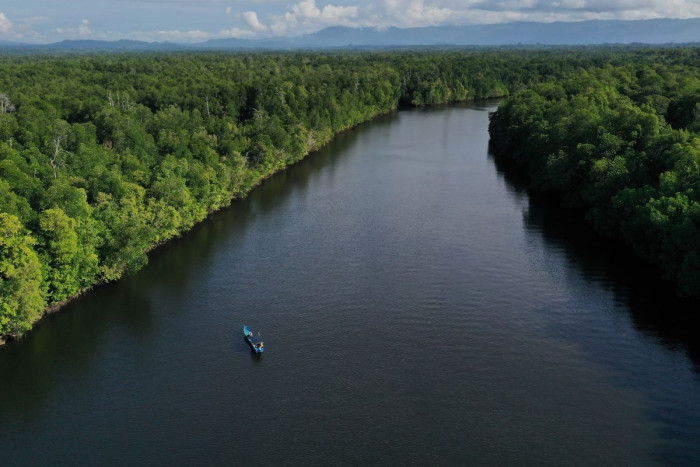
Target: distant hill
[10,44]
[91,45]
[123,44]
[654,31]
[232,43]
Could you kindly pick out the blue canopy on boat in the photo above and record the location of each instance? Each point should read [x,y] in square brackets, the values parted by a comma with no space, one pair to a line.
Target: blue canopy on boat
[256,339]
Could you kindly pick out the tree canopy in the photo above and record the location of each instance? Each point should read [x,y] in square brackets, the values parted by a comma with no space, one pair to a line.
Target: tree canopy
[622,143]
[103,157]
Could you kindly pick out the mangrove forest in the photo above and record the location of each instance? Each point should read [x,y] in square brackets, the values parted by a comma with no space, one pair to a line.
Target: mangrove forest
[104,157]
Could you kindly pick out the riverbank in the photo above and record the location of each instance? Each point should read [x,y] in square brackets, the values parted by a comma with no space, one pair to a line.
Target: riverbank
[401,239]
[600,147]
[317,145]
[179,136]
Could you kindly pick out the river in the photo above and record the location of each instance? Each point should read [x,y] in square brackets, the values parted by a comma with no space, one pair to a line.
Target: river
[418,307]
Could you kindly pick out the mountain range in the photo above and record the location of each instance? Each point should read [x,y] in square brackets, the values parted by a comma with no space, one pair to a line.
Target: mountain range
[655,31]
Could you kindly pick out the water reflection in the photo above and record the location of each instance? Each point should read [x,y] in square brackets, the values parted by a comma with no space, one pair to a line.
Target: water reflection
[654,307]
[49,355]
[68,341]
[617,288]
[441,328]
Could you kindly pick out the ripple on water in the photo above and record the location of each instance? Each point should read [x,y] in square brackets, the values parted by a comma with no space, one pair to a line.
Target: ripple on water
[417,308]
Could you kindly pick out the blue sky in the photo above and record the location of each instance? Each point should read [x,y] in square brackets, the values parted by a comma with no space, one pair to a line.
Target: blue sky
[42,21]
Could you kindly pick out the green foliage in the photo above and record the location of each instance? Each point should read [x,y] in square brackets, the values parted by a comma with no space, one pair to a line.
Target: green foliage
[103,157]
[20,278]
[622,143]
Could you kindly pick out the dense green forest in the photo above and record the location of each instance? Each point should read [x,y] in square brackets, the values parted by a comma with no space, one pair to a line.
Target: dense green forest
[622,142]
[103,157]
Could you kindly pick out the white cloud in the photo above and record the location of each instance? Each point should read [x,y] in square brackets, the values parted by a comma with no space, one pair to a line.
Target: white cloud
[415,13]
[570,10]
[570,4]
[258,18]
[305,17]
[170,35]
[238,33]
[22,31]
[251,19]
[176,35]
[5,24]
[82,30]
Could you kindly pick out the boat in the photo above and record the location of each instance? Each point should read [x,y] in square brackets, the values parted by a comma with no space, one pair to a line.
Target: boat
[255,342]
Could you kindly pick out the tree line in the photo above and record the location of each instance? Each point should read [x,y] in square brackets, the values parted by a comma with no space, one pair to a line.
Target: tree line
[621,141]
[103,157]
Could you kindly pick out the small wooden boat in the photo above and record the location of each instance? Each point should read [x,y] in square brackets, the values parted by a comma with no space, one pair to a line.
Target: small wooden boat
[255,342]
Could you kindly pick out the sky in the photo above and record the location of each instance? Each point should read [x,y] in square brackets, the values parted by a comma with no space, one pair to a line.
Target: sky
[186,21]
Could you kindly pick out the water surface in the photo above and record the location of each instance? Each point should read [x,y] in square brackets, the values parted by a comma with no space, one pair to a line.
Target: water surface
[418,307]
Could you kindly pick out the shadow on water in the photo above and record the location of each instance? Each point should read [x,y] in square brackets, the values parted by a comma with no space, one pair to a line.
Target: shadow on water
[143,368]
[654,307]
[66,343]
[642,296]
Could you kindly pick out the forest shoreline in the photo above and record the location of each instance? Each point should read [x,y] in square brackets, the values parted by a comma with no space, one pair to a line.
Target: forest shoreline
[118,153]
[90,183]
[59,306]
[630,168]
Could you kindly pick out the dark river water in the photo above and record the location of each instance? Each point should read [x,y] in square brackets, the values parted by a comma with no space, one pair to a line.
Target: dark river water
[418,307]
